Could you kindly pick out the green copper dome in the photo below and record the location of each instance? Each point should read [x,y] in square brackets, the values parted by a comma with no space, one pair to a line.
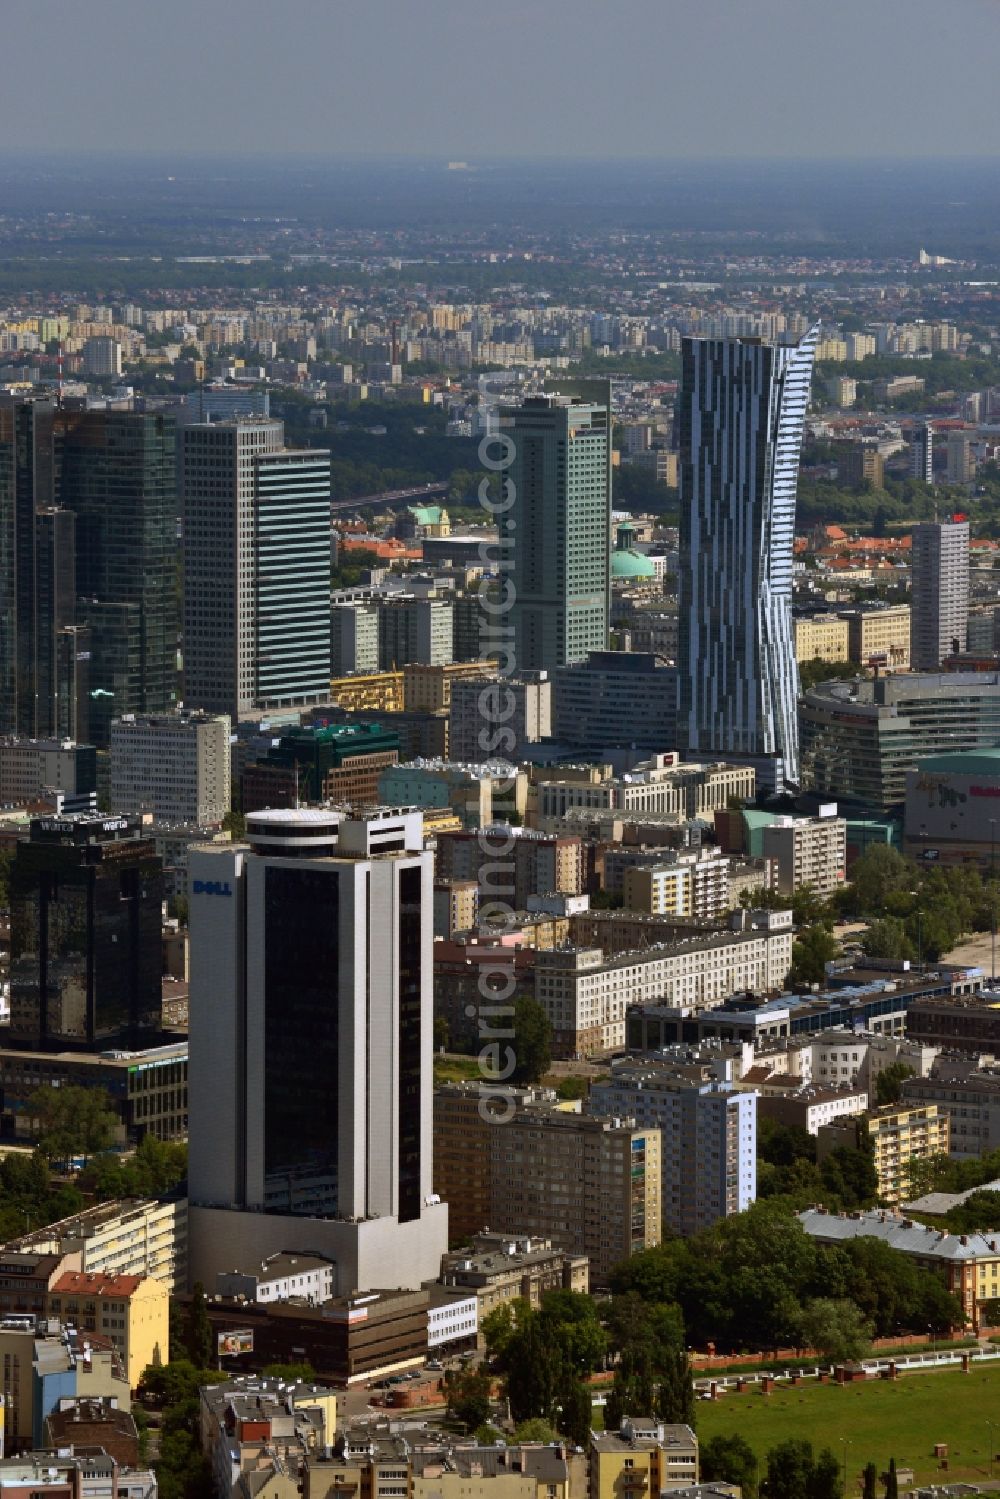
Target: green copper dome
[628,564]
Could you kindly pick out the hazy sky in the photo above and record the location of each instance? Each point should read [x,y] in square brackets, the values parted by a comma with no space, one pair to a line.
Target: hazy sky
[467,80]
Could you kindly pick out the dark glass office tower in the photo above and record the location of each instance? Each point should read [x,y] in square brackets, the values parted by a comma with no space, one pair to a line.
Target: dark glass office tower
[26,487]
[85,935]
[117,473]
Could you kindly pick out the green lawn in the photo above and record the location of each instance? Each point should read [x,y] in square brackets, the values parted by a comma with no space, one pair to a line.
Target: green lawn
[455,1069]
[903,1419]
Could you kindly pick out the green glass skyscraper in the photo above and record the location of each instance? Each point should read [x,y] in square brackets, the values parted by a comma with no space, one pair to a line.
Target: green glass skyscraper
[559,525]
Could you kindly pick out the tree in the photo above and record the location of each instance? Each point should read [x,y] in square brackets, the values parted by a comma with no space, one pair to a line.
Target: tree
[532,1041]
[674,1401]
[887,939]
[198,1336]
[575,1412]
[892,1482]
[467,1393]
[72,1121]
[790,1470]
[870,1490]
[888,1084]
[813,949]
[879,871]
[730,1459]
[835,1329]
[825,1480]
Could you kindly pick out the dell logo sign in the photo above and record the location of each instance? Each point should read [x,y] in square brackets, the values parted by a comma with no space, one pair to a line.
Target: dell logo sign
[211,887]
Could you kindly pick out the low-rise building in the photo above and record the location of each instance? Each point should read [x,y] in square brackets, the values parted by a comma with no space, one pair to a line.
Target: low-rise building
[809,1107]
[645,1456]
[129,1310]
[467,789]
[499,1268]
[264,1428]
[148,1089]
[281,1277]
[58,1474]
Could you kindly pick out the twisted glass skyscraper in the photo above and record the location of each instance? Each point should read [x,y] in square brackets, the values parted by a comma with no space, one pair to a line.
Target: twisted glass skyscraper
[742,409]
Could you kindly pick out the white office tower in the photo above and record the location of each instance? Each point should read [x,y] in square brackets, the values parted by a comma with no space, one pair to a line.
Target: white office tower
[939,598]
[742,412]
[922,453]
[256,568]
[311,1048]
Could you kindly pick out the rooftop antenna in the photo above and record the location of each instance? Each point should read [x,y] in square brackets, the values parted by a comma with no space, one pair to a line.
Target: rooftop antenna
[59,375]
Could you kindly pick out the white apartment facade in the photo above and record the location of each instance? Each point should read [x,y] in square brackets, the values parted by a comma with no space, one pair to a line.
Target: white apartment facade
[586,995]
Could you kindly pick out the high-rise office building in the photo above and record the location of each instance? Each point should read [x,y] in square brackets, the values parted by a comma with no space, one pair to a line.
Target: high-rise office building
[560,523]
[742,409]
[85,897]
[311,1047]
[256,568]
[922,453]
[939,604]
[116,471]
[27,487]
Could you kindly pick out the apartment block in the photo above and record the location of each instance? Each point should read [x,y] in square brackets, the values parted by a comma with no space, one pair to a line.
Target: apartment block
[860,463]
[545,1171]
[899,1135]
[142,1238]
[708,1137]
[586,995]
[684,885]
[175,765]
[514,864]
[807,851]
[969,1094]
[489,717]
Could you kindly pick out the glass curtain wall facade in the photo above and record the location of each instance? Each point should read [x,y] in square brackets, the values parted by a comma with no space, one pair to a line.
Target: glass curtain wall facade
[742,410]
